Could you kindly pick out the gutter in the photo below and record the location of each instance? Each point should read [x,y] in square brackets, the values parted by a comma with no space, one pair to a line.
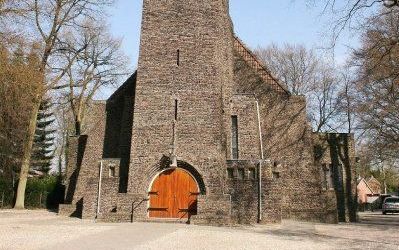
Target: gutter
[260,165]
[99,190]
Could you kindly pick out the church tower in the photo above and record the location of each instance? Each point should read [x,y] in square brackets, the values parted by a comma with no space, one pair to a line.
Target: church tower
[201,132]
[183,90]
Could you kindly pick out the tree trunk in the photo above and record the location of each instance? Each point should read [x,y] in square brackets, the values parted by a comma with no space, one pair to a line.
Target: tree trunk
[77,126]
[78,117]
[27,152]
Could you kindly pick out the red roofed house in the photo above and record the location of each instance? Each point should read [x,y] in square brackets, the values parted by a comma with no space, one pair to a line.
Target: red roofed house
[368,190]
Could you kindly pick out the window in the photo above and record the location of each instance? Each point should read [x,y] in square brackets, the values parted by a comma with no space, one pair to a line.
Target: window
[327,176]
[392,200]
[324,176]
[112,171]
[114,209]
[178,57]
[176,108]
[336,177]
[230,173]
[241,174]
[234,136]
[252,174]
[276,175]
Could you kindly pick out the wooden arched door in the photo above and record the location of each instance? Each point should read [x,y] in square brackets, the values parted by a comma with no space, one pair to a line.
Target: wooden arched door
[173,195]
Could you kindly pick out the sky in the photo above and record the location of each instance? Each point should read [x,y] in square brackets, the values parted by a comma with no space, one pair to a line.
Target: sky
[256,22]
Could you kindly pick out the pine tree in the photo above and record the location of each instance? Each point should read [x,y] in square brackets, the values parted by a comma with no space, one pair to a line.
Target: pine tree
[43,147]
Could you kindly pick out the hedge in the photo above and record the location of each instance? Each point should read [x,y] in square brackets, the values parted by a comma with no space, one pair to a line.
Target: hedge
[46,192]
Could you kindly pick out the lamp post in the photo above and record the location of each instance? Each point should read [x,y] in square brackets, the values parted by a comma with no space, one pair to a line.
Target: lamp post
[173,157]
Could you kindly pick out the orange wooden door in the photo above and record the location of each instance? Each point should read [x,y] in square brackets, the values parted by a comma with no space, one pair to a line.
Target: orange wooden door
[173,195]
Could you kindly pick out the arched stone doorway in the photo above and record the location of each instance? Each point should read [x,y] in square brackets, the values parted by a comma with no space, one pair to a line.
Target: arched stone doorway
[173,194]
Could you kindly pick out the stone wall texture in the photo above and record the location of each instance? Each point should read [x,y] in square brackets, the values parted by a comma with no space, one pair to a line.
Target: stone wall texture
[338,151]
[193,75]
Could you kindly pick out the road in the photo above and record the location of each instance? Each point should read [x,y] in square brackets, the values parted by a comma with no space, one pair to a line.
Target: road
[44,230]
[377,218]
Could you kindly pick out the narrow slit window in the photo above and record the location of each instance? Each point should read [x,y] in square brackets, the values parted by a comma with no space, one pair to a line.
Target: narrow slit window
[276,175]
[230,173]
[234,137]
[325,175]
[178,57]
[112,171]
[176,109]
[241,174]
[252,174]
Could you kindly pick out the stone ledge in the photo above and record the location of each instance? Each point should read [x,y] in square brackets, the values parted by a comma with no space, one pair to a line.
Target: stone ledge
[115,217]
[66,210]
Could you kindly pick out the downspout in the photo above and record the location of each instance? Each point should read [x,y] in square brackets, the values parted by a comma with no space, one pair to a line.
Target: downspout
[99,189]
[260,165]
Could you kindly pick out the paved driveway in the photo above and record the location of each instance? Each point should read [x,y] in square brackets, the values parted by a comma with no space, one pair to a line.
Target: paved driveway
[377,218]
[43,230]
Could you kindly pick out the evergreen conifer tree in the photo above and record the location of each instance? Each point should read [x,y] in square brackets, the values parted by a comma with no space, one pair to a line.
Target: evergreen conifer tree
[43,147]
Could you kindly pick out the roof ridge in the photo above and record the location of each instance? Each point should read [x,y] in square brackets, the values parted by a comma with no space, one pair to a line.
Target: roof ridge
[238,43]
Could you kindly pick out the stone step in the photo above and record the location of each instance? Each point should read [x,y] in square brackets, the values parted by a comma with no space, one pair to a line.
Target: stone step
[115,218]
[126,217]
[165,220]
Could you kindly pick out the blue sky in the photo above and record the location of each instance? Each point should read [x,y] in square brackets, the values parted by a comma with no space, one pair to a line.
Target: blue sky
[257,23]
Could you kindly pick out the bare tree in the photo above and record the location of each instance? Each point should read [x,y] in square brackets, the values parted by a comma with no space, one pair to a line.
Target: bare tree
[304,72]
[323,101]
[377,83]
[373,162]
[11,7]
[346,101]
[100,64]
[351,14]
[11,10]
[51,19]
[294,65]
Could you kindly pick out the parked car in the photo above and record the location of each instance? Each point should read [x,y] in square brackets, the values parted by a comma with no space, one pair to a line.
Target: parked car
[382,199]
[391,205]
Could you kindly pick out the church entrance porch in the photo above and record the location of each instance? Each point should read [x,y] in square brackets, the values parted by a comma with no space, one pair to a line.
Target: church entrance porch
[173,194]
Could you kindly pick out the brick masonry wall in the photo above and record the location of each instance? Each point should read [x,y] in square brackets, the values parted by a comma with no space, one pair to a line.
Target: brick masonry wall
[214,209]
[107,129]
[287,143]
[244,193]
[85,153]
[244,107]
[201,82]
[186,54]
[119,128]
[339,151]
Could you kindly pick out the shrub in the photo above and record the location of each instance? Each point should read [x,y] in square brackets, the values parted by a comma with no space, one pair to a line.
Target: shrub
[46,192]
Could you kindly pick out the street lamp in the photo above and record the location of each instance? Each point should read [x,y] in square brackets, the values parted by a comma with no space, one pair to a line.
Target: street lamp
[173,157]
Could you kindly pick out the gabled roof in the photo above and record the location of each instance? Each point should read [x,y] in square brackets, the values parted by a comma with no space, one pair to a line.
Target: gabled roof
[372,178]
[127,86]
[367,185]
[374,184]
[373,191]
[251,59]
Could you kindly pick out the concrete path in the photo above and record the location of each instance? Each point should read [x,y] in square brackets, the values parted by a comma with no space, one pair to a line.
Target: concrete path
[44,230]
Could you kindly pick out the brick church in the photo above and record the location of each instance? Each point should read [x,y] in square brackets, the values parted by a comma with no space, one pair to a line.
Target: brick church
[203,133]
